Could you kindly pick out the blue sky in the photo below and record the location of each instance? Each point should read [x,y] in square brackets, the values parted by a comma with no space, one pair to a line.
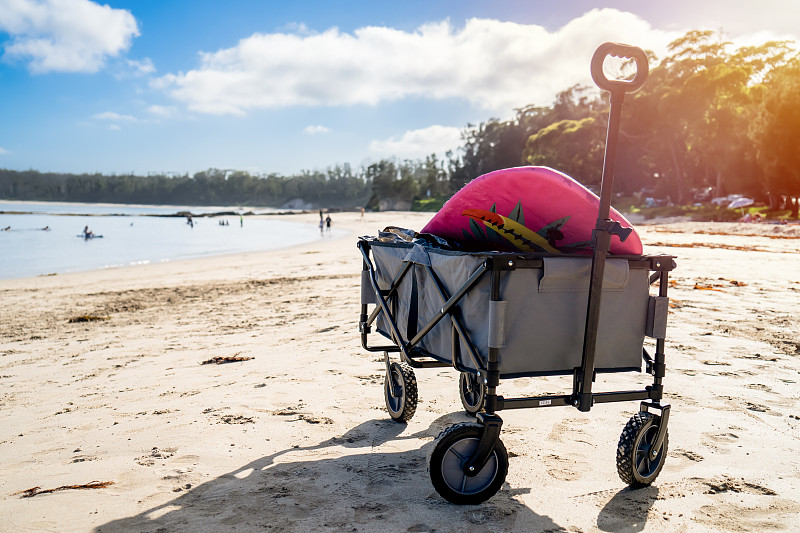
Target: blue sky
[182,86]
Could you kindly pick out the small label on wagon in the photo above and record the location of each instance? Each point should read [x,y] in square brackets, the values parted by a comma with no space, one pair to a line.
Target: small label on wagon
[544,402]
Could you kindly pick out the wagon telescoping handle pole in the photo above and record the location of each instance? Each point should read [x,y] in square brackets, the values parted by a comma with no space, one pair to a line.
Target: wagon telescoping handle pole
[618,89]
[601,235]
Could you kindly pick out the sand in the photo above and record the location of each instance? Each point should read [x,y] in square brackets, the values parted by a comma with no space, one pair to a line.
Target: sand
[294,436]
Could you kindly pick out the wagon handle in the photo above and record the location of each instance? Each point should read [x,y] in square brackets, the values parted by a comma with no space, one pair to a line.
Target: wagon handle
[601,235]
[624,51]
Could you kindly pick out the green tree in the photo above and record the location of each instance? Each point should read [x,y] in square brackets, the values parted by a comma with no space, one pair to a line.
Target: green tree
[692,115]
[574,147]
[775,133]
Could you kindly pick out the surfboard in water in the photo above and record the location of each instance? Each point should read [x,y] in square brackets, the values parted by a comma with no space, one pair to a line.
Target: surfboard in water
[531,209]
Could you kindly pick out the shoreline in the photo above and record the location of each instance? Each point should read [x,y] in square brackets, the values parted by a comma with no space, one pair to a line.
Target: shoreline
[353,223]
[308,221]
[294,436]
[202,267]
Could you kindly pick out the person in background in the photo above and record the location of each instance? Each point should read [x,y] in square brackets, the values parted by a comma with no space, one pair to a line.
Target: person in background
[328,222]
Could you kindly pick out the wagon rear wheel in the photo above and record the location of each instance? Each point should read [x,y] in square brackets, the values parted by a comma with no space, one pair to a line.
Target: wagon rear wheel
[638,464]
[455,446]
[472,391]
[400,390]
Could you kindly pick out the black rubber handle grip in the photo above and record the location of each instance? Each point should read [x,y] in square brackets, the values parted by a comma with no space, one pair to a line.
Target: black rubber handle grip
[624,51]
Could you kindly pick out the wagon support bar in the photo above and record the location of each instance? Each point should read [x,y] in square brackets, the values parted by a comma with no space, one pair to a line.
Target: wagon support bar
[569,399]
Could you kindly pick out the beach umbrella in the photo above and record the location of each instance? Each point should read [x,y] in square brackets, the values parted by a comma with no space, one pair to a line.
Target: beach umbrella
[741,203]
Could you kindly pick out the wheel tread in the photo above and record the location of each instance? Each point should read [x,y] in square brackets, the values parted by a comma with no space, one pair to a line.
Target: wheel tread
[410,391]
[625,448]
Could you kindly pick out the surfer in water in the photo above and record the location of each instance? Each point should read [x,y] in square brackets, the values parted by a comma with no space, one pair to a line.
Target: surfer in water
[87,233]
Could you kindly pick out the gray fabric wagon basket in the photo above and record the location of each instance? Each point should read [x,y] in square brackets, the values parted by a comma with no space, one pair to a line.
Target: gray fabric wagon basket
[538,324]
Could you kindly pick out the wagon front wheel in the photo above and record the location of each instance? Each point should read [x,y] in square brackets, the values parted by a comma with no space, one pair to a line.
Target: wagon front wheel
[400,389]
[472,391]
[638,464]
[455,446]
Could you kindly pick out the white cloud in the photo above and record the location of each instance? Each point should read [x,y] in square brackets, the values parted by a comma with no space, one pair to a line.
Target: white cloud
[419,143]
[495,65]
[114,127]
[110,115]
[3,151]
[316,130]
[65,35]
[162,111]
[297,28]
[142,67]
[492,64]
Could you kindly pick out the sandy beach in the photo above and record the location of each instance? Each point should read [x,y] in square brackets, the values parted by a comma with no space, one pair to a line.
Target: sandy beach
[104,396]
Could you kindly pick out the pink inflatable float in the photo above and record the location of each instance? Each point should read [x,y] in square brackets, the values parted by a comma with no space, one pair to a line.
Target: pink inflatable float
[532,209]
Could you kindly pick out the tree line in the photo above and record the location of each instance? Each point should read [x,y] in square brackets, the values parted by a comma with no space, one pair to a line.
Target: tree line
[710,121]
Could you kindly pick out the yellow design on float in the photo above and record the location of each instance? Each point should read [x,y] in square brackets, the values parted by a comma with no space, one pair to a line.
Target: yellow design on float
[521,237]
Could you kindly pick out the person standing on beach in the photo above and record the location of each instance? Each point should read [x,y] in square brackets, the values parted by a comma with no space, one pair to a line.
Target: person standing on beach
[241,221]
[328,222]
[321,225]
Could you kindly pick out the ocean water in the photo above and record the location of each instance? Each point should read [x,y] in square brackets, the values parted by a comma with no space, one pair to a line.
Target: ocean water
[131,235]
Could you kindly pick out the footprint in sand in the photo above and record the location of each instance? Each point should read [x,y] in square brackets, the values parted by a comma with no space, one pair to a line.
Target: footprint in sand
[82,458]
[739,486]
[738,373]
[759,386]
[720,442]
[155,454]
[716,363]
[686,401]
[722,437]
[728,516]
[371,379]
[568,429]
[564,468]
[686,454]
[728,403]
[750,406]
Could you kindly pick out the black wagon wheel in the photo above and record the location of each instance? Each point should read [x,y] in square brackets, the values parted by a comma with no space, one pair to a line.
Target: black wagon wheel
[454,447]
[400,389]
[636,464]
[472,391]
